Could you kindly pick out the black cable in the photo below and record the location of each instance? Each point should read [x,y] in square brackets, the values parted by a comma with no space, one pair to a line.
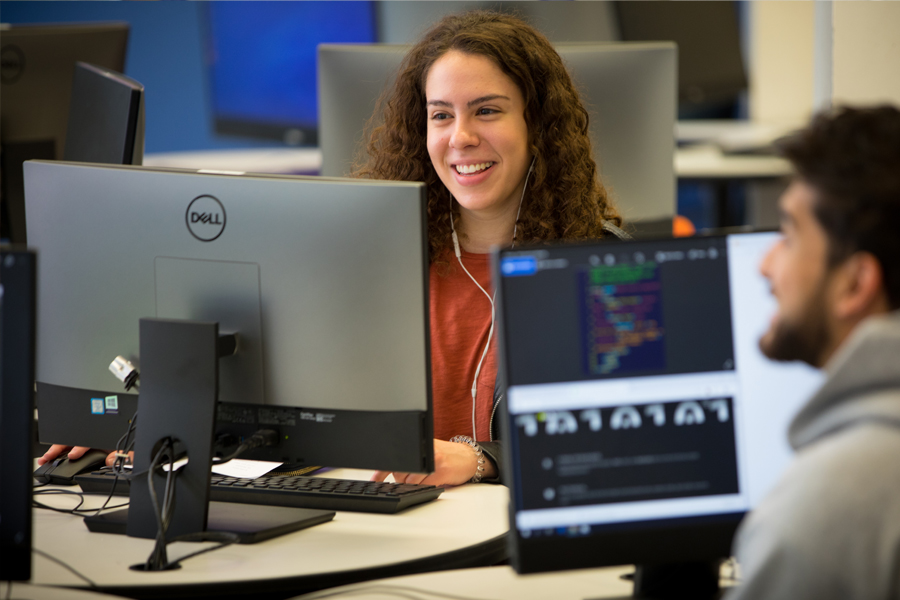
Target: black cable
[224,538]
[56,492]
[69,511]
[157,559]
[400,591]
[64,565]
[238,451]
[8,590]
[123,447]
[262,437]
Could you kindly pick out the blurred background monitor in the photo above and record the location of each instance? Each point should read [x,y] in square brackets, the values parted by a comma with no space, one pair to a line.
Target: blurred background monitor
[17,331]
[38,64]
[106,117]
[263,63]
[711,75]
[629,90]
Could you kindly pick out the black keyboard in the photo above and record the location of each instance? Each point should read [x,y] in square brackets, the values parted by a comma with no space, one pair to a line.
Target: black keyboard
[287,490]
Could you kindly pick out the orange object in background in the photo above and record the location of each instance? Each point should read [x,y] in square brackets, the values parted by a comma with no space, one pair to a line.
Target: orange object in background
[682,227]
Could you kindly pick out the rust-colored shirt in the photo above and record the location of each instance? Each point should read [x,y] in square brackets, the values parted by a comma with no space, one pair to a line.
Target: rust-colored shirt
[460,322]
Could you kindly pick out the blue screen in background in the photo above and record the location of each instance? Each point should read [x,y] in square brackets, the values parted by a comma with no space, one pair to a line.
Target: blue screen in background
[264,55]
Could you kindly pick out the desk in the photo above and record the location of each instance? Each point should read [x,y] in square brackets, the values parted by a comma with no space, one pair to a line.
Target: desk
[465,527]
[763,178]
[501,583]
[300,161]
[708,159]
[495,583]
[20,591]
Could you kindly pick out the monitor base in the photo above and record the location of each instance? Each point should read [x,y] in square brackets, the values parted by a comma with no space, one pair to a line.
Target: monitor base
[699,580]
[250,522]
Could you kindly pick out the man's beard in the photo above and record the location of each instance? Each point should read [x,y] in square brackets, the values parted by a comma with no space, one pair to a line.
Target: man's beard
[805,339]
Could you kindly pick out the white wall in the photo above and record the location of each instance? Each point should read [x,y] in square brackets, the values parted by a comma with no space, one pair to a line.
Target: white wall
[866,52]
[781,60]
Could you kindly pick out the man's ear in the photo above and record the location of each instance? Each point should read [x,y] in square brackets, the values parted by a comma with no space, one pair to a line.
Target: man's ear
[859,288]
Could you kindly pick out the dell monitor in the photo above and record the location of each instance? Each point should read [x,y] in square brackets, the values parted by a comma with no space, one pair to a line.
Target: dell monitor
[17,310]
[629,90]
[106,117]
[38,67]
[643,421]
[324,281]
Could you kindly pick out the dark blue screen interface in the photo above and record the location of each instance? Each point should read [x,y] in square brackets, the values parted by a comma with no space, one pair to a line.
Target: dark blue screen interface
[263,55]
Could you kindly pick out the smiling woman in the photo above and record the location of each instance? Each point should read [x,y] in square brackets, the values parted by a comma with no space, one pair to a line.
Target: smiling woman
[484,112]
[478,144]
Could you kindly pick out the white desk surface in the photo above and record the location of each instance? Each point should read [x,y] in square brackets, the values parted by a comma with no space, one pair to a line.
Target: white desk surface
[707,161]
[464,527]
[251,160]
[27,591]
[491,583]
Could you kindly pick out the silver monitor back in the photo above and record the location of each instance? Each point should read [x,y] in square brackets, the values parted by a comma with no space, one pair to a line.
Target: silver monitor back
[324,280]
[630,90]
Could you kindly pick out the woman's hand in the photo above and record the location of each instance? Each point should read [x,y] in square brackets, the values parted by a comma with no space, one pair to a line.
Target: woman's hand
[58,449]
[75,452]
[454,464]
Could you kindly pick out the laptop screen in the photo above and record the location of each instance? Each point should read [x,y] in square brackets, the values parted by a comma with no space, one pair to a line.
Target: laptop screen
[637,395]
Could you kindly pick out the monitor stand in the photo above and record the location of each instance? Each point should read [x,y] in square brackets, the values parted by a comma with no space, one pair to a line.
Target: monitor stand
[698,580]
[177,401]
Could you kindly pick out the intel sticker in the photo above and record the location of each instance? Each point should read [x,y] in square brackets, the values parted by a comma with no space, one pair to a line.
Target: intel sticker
[112,405]
[518,265]
[97,406]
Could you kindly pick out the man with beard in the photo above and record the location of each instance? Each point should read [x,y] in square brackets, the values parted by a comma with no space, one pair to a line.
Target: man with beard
[831,526]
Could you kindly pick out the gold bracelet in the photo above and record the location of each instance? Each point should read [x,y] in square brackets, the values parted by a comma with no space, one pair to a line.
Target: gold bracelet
[479,469]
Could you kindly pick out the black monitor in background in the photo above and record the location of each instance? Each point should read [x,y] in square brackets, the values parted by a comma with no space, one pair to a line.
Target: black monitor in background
[17,331]
[711,74]
[106,117]
[643,421]
[263,63]
[38,63]
[324,281]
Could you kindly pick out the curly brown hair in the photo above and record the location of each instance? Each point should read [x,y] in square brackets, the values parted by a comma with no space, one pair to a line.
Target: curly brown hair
[566,200]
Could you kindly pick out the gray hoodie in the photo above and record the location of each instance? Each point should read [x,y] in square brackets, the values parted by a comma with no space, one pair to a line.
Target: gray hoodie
[830,528]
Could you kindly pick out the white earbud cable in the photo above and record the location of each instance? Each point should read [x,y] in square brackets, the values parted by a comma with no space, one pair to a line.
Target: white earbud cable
[458,253]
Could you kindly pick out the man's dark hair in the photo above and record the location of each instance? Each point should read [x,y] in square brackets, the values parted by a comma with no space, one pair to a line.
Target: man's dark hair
[851,158]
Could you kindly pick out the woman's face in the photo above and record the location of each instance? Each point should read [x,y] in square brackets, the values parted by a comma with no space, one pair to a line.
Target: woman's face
[477,136]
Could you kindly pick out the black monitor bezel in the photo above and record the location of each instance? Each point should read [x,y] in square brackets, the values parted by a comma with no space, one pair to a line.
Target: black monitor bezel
[17,350]
[650,542]
[108,48]
[121,96]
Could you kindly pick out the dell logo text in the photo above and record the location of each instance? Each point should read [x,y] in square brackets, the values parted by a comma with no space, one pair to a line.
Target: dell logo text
[205,218]
[208,218]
